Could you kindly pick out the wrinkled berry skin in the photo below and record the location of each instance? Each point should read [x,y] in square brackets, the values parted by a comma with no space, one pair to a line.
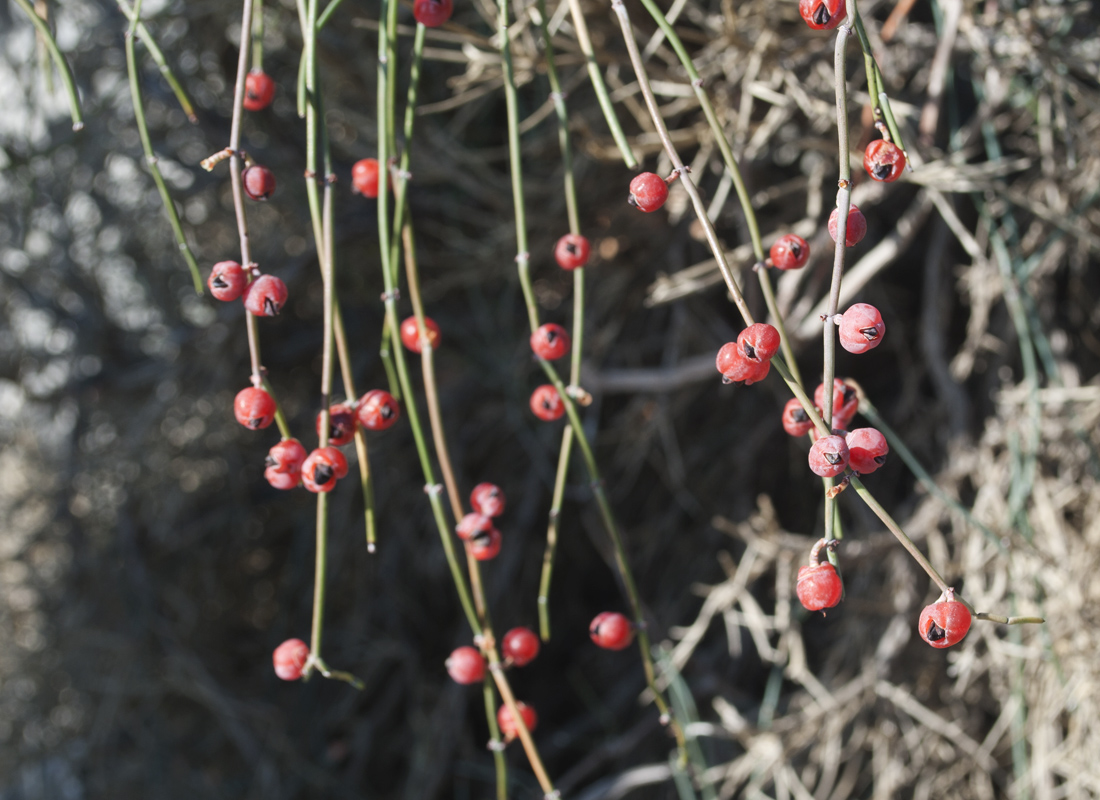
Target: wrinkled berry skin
[227,281]
[254,408]
[485,546]
[283,465]
[796,421]
[944,623]
[759,342]
[259,90]
[828,456]
[465,665]
[341,424]
[509,727]
[550,341]
[822,15]
[265,296]
[364,177]
[818,587]
[290,659]
[473,524]
[789,252]
[322,468]
[487,499]
[572,251]
[433,13]
[845,402]
[884,161]
[259,182]
[648,192]
[521,645]
[410,334]
[546,403]
[377,410]
[856,227]
[867,449]
[861,328]
[611,631]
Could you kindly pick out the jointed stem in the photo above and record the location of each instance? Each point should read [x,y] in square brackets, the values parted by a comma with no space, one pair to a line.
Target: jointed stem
[59,60]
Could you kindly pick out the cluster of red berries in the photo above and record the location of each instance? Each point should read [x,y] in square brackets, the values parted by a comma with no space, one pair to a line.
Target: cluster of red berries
[749,358]
[862,449]
[476,529]
[264,295]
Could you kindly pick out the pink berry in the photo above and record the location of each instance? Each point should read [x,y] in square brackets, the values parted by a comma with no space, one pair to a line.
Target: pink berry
[571,251]
[822,15]
[845,402]
[944,623]
[828,456]
[259,90]
[265,296]
[739,367]
[227,281]
[550,341]
[254,408]
[867,449]
[884,161]
[611,630]
[377,410]
[759,342]
[432,13]
[472,525]
[789,252]
[290,659]
[856,228]
[322,468]
[485,546]
[546,403]
[341,424]
[648,192]
[796,421]
[410,334]
[508,725]
[861,328]
[283,465]
[487,499]
[521,645]
[259,182]
[818,587]
[465,665]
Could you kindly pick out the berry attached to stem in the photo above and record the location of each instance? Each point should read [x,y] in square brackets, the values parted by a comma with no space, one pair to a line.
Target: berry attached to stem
[341,424]
[861,328]
[945,622]
[521,645]
[377,410]
[648,192]
[867,449]
[254,408]
[290,659]
[283,465]
[265,296]
[322,468]
[259,182]
[487,499]
[822,15]
[227,281]
[259,90]
[433,13]
[508,725]
[789,252]
[550,341]
[856,228]
[546,403]
[364,177]
[884,161]
[828,456]
[410,334]
[611,630]
[571,251]
[465,665]
[818,587]
[796,421]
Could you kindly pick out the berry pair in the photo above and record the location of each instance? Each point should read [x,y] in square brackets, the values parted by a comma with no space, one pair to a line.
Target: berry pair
[749,358]
[482,538]
[283,465]
[377,410]
[264,295]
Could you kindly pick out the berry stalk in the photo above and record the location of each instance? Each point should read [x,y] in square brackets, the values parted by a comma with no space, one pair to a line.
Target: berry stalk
[161,62]
[46,36]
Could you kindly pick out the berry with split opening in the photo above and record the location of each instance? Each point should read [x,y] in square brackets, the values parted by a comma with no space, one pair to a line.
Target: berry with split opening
[484,545]
[364,177]
[789,252]
[259,182]
[884,161]
[856,228]
[341,424]
[546,403]
[861,328]
[265,296]
[828,456]
[736,367]
[521,645]
[377,410]
[508,725]
[611,630]
[290,659]
[259,90]
[432,13]
[822,15]
[759,342]
[227,281]
[648,192]
[818,587]
[465,665]
[572,251]
[410,333]
[796,421]
[550,341]
[867,449]
[845,402]
[322,468]
[944,623]
[254,408]
[487,499]
[283,465]
[473,524]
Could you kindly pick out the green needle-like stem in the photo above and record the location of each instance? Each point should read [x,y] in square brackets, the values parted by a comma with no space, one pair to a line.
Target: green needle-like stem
[59,61]
[161,62]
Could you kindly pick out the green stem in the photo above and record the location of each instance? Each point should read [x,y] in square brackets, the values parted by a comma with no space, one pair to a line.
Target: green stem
[327,13]
[162,63]
[258,35]
[59,60]
[496,746]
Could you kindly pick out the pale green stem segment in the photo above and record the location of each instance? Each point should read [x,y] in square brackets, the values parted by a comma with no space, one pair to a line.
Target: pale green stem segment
[258,36]
[326,15]
[162,63]
[58,60]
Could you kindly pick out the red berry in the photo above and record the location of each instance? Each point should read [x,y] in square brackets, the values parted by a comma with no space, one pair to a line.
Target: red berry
[759,342]
[883,160]
[485,545]
[822,15]
[465,665]
[648,192]
[508,725]
[867,449]
[845,402]
[521,645]
[789,252]
[473,524]
[738,367]
[487,499]
[284,464]
[571,251]
[265,296]
[432,13]
[341,424]
[322,468]
[546,403]
[227,280]
[364,177]
[796,421]
[259,182]
[856,227]
[861,328]
[611,630]
[254,408]
[259,90]
[828,456]
[377,410]
[550,341]
[410,333]
[944,623]
[290,659]
[818,587]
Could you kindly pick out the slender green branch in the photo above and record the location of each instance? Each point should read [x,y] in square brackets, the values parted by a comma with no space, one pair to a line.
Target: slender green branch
[58,60]
[162,63]
[258,36]
[326,15]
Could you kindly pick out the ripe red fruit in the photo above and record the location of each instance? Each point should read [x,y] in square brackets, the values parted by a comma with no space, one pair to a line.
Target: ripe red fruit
[341,424]
[432,13]
[759,342]
[377,410]
[410,333]
[867,449]
[521,645]
[283,465]
[818,586]
[546,403]
[487,499]
[509,726]
[265,296]
[259,182]
[828,456]
[845,402]
[485,545]
[822,15]
[473,524]
[254,408]
[796,421]
[465,665]
[944,623]
[789,252]
[648,192]
[571,251]
[861,328]
[364,177]
[856,228]
[611,630]
[290,659]
[227,281]
[736,367]
[884,161]
[322,468]
[259,90]
[550,341]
